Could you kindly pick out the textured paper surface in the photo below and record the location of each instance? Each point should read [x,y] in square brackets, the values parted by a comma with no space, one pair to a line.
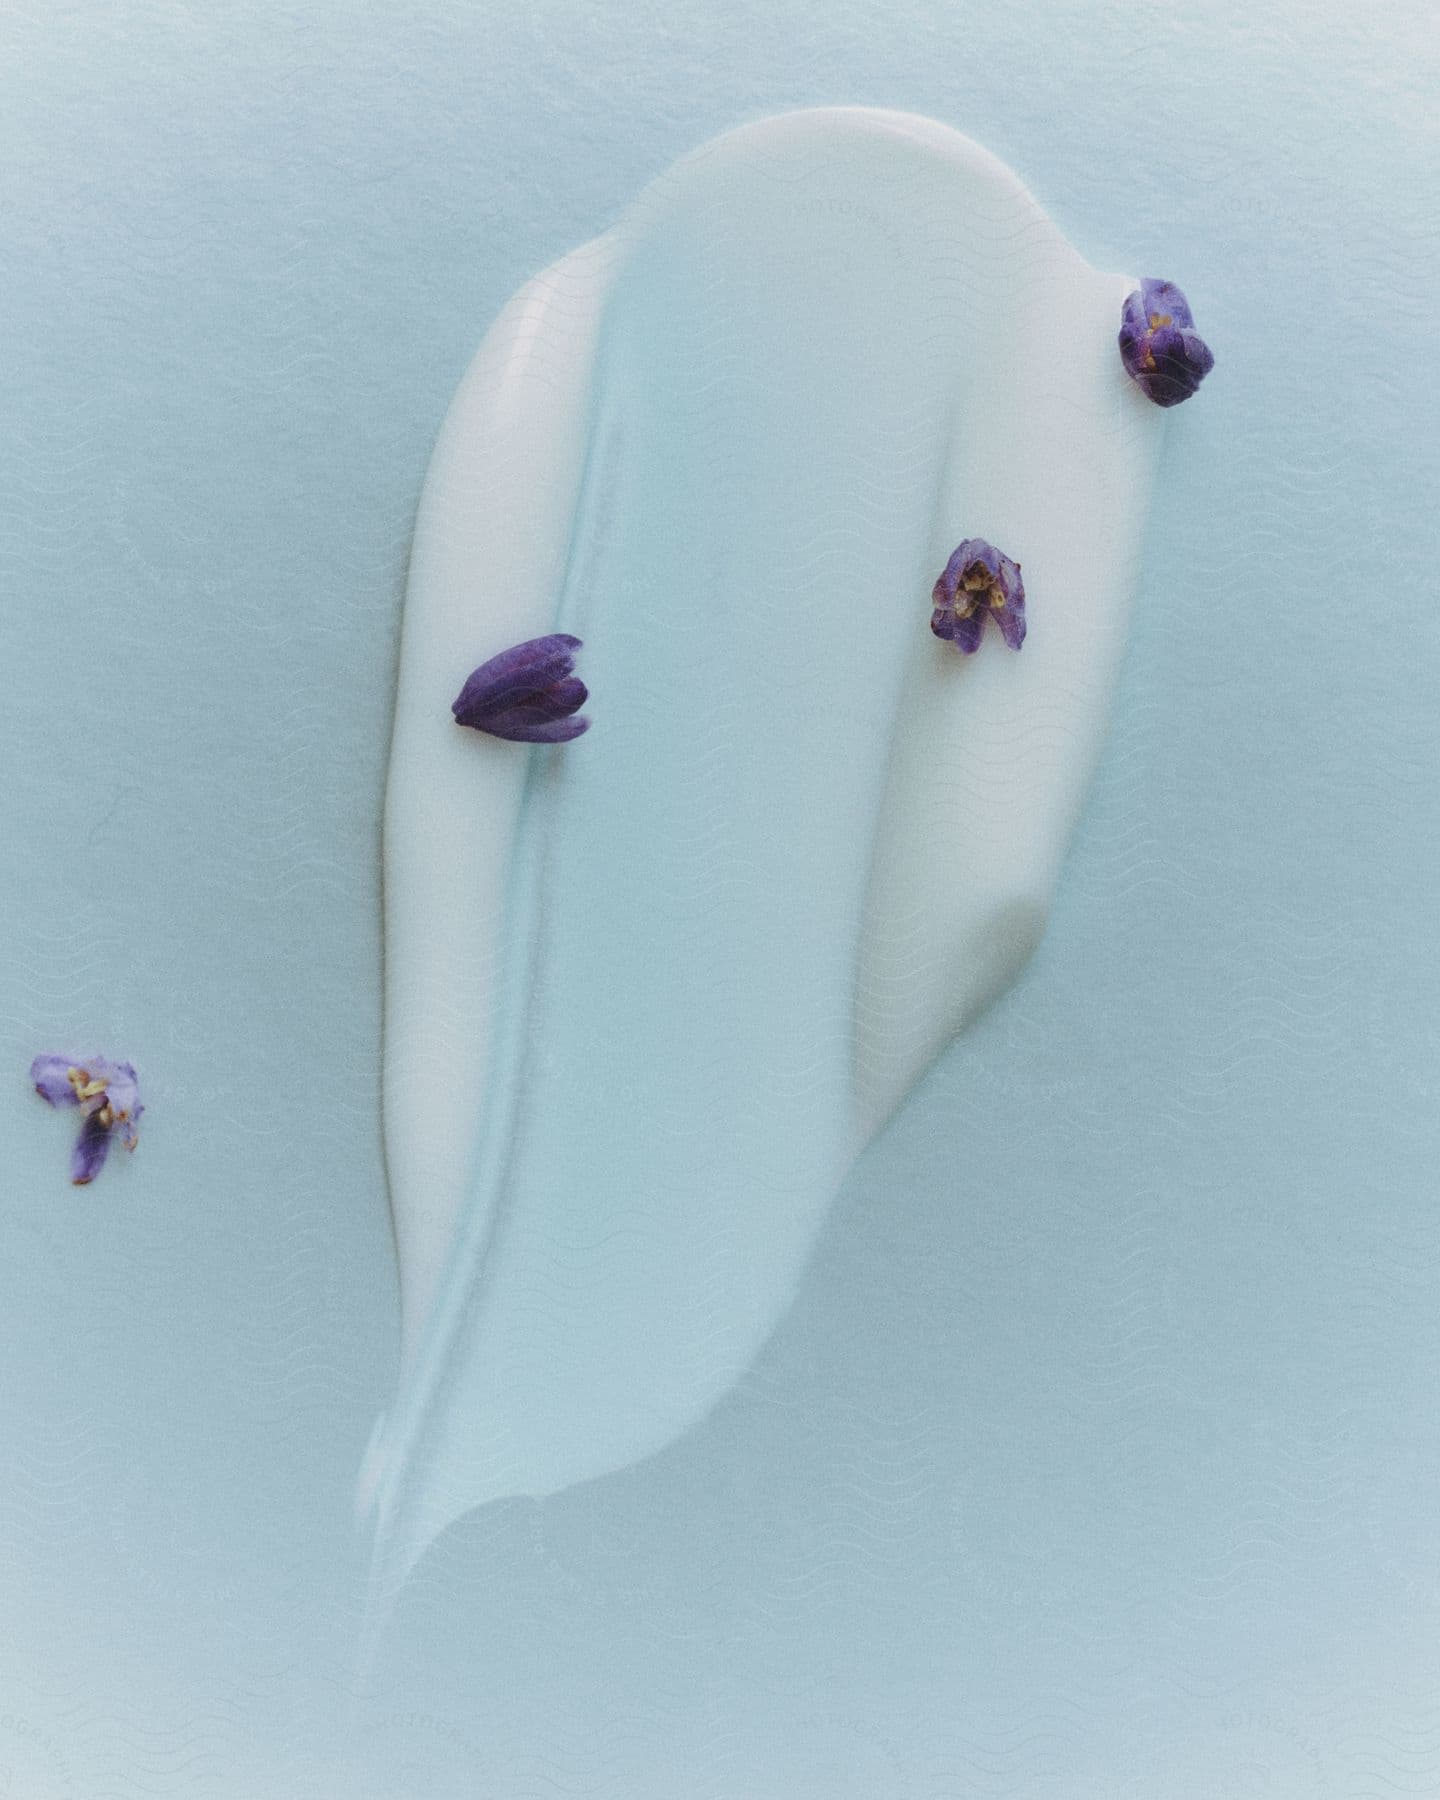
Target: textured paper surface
[1099,1454]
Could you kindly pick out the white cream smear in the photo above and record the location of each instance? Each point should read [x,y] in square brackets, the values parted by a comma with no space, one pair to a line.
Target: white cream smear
[648,995]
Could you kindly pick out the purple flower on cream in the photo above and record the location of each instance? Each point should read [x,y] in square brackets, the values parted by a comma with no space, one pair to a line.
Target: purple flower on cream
[528,694]
[1159,344]
[108,1096]
[979,583]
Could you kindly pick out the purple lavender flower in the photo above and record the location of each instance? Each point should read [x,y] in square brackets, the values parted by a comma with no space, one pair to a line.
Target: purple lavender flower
[1159,344]
[527,694]
[979,582]
[108,1096]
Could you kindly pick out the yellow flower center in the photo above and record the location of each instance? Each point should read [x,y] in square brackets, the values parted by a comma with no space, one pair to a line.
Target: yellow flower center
[978,587]
[87,1089]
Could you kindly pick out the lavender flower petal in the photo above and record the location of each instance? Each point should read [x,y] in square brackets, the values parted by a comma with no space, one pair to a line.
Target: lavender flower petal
[1164,298]
[1182,360]
[1011,620]
[123,1099]
[108,1096]
[978,581]
[524,669]
[526,694]
[964,633]
[557,702]
[91,1148]
[1161,350]
[51,1076]
[556,731]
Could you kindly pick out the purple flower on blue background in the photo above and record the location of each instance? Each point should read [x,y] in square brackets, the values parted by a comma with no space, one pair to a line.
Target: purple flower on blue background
[1159,344]
[528,694]
[108,1096]
[979,583]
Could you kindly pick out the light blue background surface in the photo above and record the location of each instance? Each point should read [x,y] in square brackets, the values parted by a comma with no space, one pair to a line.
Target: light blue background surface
[1100,1455]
